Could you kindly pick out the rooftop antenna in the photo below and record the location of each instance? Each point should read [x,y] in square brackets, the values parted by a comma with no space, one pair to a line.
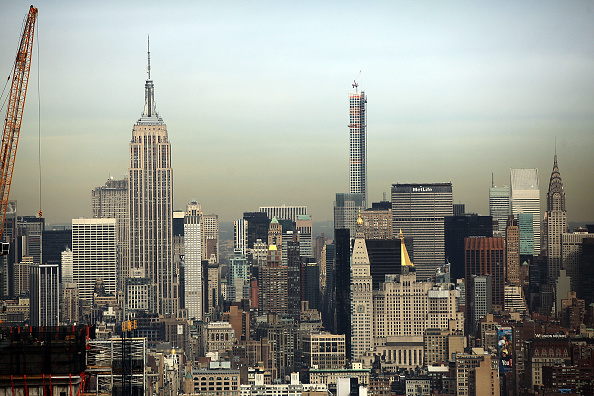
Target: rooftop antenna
[355,83]
[148,51]
[492,180]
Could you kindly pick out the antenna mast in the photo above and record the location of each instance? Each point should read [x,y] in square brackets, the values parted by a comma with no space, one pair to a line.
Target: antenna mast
[148,51]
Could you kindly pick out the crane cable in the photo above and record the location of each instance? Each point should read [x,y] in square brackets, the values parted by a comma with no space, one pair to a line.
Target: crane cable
[38,119]
[11,70]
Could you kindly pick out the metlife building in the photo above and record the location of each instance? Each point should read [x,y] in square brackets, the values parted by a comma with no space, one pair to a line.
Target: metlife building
[419,210]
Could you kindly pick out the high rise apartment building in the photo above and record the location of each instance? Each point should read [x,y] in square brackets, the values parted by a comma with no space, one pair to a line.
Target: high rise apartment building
[212,303]
[555,223]
[94,255]
[295,277]
[512,251]
[193,261]
[499,208]
[151,206]
[358,144]
[111,201]
[273,289]
[481,300]
[210,236]
[525,198]
[418,210]
[240,236]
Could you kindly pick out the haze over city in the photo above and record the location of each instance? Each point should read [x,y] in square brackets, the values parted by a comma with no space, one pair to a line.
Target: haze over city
[255,98]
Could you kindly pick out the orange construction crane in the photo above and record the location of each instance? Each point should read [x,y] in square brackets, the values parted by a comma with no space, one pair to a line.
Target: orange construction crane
[14,115]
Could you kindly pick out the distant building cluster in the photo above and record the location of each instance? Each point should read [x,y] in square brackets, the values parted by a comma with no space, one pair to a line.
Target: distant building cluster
[409,296]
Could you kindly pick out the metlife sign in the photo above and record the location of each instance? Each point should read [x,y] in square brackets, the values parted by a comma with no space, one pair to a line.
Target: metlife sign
[437,188]
[422,189]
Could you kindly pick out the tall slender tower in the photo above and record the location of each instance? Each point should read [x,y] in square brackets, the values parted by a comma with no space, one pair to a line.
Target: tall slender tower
[361,296]
[358,142]
[555,223]
[193,260]
[151,203]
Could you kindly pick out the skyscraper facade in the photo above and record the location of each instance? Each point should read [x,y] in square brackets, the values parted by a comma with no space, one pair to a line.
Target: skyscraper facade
[499,208]
[418,210]
[240,236]
[358,144]
[257,227]
[555,223]
[193,261]
[346,209]
[30,235]
[377,223]
[361,297]
[484,256]
[572,244]
[526,228]
[45,295]
[341,285]
[304,227]
[525,198]
[284,212]
[7,262]
[512,251]
[210,236]
[273,288]
[456,228]
[94,255]
[111,201]
[151,206]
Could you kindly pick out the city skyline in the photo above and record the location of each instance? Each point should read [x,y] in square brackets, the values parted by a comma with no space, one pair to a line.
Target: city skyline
[457,92]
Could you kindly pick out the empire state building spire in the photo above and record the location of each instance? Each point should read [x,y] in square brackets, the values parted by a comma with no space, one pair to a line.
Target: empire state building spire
[149,115]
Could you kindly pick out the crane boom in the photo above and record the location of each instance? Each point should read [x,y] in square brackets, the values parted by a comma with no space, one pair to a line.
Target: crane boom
[14,114]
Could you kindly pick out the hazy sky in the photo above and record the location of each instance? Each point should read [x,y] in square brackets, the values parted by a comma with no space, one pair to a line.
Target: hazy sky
[255,98]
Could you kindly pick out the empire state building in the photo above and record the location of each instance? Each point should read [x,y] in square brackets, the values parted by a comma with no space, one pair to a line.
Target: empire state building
[151,210]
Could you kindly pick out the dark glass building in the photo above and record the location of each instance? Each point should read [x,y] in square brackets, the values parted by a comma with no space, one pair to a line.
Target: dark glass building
[456,228]
[257,227]
[384,258]
[342,277]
